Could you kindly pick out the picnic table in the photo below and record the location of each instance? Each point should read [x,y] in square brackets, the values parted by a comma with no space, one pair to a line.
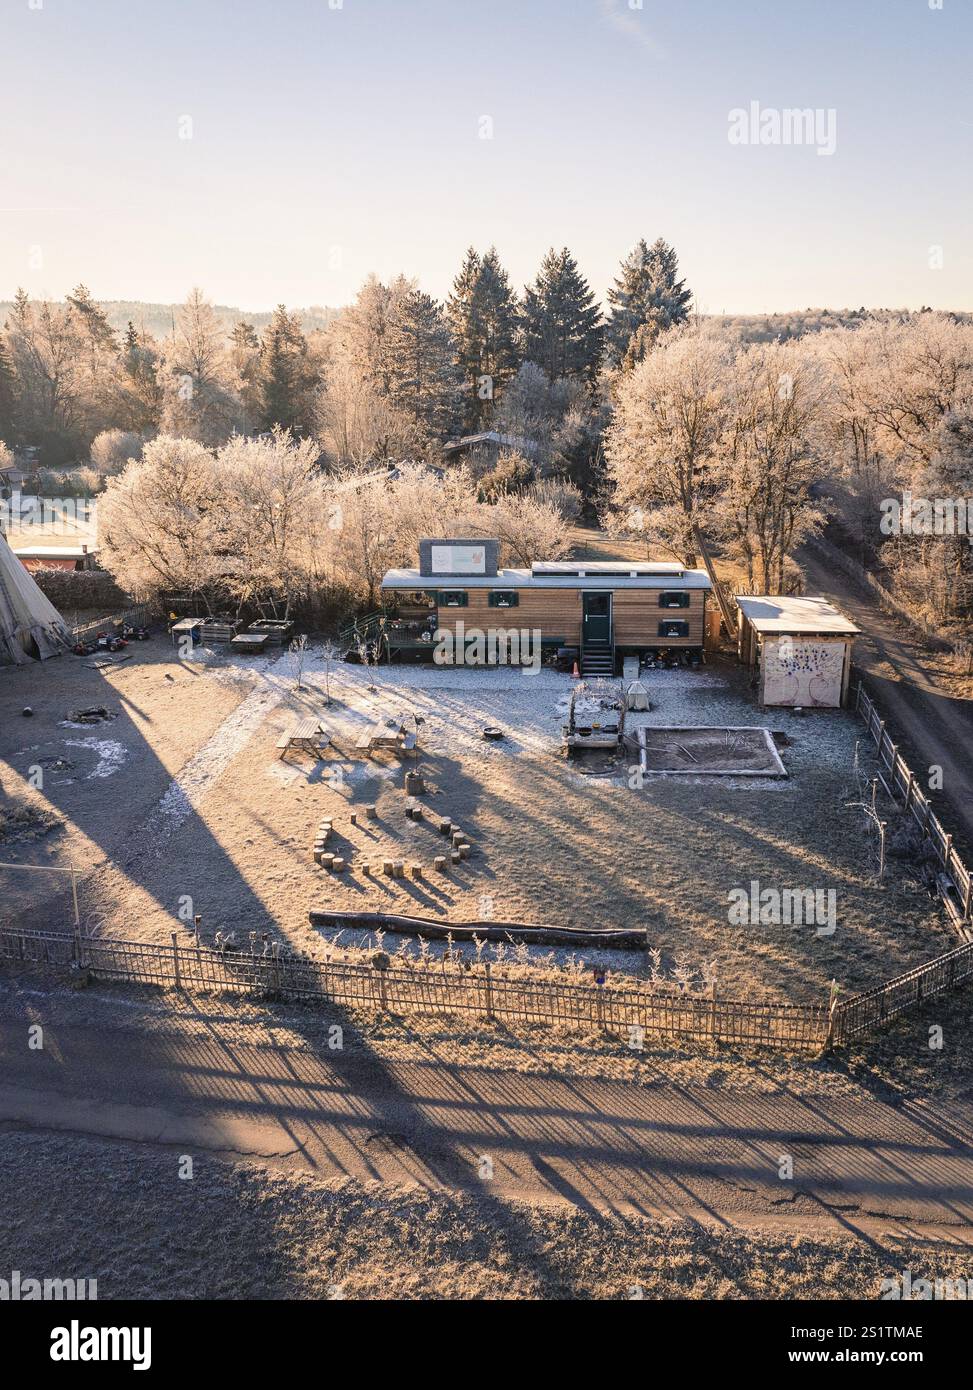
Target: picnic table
[309,736]
[386,733]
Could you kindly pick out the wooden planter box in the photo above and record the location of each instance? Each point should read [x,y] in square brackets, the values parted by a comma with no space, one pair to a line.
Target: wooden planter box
[249,642]
[214,630]
[276,631]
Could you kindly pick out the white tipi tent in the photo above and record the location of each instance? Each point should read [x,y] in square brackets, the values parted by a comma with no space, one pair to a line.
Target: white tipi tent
[30,626]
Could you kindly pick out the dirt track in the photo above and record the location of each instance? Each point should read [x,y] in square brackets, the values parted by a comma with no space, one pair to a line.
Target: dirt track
[209,1085]
[938,729]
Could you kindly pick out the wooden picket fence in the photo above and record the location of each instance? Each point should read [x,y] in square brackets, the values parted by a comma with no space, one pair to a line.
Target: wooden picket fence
[142,615]
[451,988]
[864,1013]
[442,987]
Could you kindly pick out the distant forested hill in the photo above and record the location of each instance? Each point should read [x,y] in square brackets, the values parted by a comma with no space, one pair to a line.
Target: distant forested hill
[767,328]
[158,318]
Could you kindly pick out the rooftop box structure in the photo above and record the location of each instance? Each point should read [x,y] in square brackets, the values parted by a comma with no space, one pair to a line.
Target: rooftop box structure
[605,608]
[799,649]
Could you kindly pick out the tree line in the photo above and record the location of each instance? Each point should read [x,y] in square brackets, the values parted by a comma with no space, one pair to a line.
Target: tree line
[397,373]
[698,437]
[750,447]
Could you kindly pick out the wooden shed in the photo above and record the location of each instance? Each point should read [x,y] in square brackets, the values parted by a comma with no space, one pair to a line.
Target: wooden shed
[605,609]
[799,649]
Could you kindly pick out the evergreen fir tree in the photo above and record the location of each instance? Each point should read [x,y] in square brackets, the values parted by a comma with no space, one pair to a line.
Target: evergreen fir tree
[646,299]
[8,396]
[562,329]
[143,396]
[286,376]
[245,356]
[91,321]
[425,384]
[483,315]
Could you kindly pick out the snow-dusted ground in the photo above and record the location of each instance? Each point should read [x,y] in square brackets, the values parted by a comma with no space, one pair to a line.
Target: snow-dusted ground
[456,704]
[205,807]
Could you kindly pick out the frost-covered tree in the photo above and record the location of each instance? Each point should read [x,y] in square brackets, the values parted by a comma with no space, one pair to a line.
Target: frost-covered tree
[200,396]
[45,350]
[365,334]
[560,422]
[244,353]
[275,519]
[770,458]
[112,449]
[562,323]
[670,416]
[356,424]
[160,520]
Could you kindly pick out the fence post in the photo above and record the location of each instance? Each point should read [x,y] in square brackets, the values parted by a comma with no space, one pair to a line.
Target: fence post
[832,1017]
[78,949]
[488,991]
[275,966]
[175,960]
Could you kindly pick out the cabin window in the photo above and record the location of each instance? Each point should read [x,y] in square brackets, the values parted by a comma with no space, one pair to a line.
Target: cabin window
[503,598]
[673,598]
[454,598]
[673,627]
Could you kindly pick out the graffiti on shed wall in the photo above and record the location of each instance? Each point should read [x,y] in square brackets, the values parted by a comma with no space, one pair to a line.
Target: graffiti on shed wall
[802,672]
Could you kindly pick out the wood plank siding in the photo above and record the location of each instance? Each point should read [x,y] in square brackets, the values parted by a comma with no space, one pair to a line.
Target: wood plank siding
[637,616]
[557,612]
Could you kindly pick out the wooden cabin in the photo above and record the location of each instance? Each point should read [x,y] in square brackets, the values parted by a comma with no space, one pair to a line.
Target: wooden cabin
[605,609]
[799,650]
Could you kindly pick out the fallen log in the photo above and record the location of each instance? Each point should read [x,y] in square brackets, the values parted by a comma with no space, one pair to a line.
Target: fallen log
[607,938]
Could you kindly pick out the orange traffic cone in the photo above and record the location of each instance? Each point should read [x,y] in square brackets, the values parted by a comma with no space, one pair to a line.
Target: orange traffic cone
[575,673]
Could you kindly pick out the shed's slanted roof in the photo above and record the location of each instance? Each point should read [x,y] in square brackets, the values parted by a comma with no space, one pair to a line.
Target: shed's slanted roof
[776,613]
[602,575]
[503,441]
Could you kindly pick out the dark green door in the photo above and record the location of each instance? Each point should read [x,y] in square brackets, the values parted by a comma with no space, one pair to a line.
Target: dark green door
[597,624]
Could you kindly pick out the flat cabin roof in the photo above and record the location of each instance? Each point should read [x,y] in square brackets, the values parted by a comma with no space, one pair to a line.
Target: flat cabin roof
[782,613]
[65,552]
[600,574]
